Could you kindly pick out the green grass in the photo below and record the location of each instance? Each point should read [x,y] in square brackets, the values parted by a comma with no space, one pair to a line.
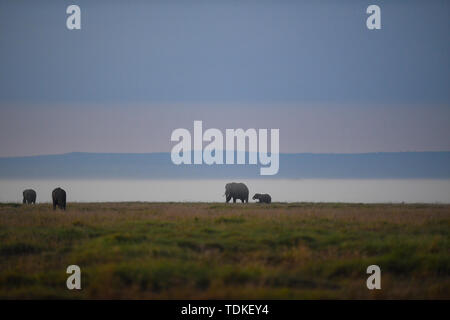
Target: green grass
[215,250]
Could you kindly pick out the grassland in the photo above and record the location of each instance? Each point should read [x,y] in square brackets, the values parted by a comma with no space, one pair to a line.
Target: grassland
[211,250]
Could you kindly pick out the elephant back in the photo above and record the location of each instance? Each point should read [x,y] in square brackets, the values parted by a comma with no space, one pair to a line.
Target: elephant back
[237,189]
[29,195]
[58,194]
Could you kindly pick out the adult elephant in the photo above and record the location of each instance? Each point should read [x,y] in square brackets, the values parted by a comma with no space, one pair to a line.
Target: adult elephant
[29,196]
[59,198]
[236,191]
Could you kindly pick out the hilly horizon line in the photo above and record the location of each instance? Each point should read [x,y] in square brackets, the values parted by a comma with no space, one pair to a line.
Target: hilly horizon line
[430,164]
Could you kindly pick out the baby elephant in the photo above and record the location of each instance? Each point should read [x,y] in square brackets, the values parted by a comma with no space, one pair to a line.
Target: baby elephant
[263,198]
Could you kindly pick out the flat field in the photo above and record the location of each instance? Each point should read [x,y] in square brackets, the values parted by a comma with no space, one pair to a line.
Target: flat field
[225,251]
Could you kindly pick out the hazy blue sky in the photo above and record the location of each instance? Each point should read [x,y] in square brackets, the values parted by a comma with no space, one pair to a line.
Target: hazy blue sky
[139,69]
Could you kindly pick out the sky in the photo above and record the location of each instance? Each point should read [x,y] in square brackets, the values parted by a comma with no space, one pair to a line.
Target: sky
[138,70]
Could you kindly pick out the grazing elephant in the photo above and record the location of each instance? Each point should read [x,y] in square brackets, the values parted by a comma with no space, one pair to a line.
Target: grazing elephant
[29,196]
[59,198]
[263,198]
[236,191]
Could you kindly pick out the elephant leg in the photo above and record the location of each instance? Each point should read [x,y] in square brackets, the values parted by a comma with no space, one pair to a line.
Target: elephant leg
[243,200]
[234,200]
[54,205]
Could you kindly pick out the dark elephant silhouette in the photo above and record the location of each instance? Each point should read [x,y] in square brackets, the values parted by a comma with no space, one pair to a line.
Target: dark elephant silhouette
[59,199]
[236,191]
[262,197]
[29,196]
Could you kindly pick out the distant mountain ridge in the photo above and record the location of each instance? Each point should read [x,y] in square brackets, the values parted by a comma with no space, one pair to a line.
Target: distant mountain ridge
[383,165]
